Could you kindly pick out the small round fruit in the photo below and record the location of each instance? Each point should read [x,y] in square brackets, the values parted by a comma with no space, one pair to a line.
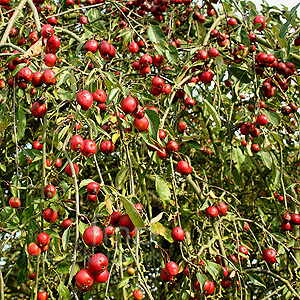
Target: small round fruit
[37,145]
[232,22]
[178,234]
[92,198]
[183,168]
[182,127]
[93,236]
[262,120]
[225,271]
[102,277]
[107,147]
[76,143]
[172,146]
[14,202]
[269,256]
[162,153]
[34,249]
[109,231]
[85,100]
[260,20]
[91,46]
[89,148]
[50,60]
[99,96]
[255,148]
[115,218]
[207,76]
[50,215]
[212,212]
[125,222]
[84,279]
[66,223]
[222,209]
[50,191]
[128,105]
[209,288]
[58,163]
[68,169]
[295,219]
[98,263]
[31,276]
[213,52]
[43,239]
[141,124]
[38,110]
[133,47]
[48,77]
[138,295]
[172,268]
[131,271]
[243,250]
[165,276]
[93,188]
[42,296]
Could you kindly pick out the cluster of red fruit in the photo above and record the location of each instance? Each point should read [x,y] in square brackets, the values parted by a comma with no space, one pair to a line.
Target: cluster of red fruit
[289,220]
[96,272]
[107,51]
[92,189]
[213,211]
[41,245]
[87,147]
[145,62]
[159,87]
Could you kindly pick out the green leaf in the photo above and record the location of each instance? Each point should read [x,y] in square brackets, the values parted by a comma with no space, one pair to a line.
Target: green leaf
[65,238]
[112,95]
[154,122]
[213,113]
[158,228]
[52,233]
[93,125]
[162,189]
[245,37]
[12,57]
[272,117]
[5,213]
[63,268]
[172,53]
[201,279]
[123,282]
[194,144]
[18,68]
[156,35]
[266,159]
[188,90]
[133,213]
[63,292]
[256,280]
[121,177]
[285,26]
[21,122]
[82,227]
[215,270]
[3,167]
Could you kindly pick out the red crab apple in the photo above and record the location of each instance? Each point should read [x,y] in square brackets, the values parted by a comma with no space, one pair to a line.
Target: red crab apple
[107,147]
[295,219]
[43,239]
[50,215]
[262,120]
[85,99]
[89,148]
[48,77]
[115,218]
[84,279]
[99,96]
[92,198]
[178,234]
[102,277]
[183,168]
[50,191]
[68,169]
[93,188]
[269,256]
[133,47]
[98,263]
[172,268]
[14,202]
[125,221]
[260,20]
[93,236]
[38,110]
[172,146]
[76,143]
[212,212]
[42,296]
[58,163]
[109,231]
[37,145]
[222,208]
[209,288]
[165,276]
[66,223]
[138,295]
[141,124]
[31,276]
[34,249]
[91,46]
[50,60]
[128,105]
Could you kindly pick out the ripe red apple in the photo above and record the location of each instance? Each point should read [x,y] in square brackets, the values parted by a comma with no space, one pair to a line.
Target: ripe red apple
[93,188]
[212,212]
[34,249]
[255,148]
[89,148]
[260,20]
[207,76]
[209,288]
[38,110]
[178,234]
[99,96]
[172,146]
[222,208]
[50,60]
[141,124]
[31,276]
[43,239]
[232,22]
[92,198]
[225,271]
[91,46]
[128,105]
[107,50]
[66,223]
[213,52]
[183,168]
[102,277]
[42,296]
[58,163]
[83,20]
[165,276]
[269,256]
[47,31]
[125,222]
[109,231]
[114,218]
[68,169]
[295,219]
[146,60]
[84,280]
[262,120]
[182,127]
[243,250]
[98,263]
[138,295]
[50,215]
[76,143]
[162,153]
[48,77]
[50,191]
[202,55]
[93,236]
[14,202]
[172,268]
[85,99]
[133,47]
[107,147]
[157,83]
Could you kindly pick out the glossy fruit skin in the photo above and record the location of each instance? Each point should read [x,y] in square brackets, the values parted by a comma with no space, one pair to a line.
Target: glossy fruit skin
[43,239]
[166,89]
[262,120]
[98,263]
[50,60]
[146,60]
[225,271]
[14,202]
[42,296]
[128,105]
[165,276]
[138,295]
[107,50]
[213,52]
[177,234]
[260,20]
[91,45]
[286,226]
[255,148]
[255,132]
[209,288]
[212,212]
[93,188]
[183,168]
[109,231]
[131,271]
[141,124]
[83,20]
[102,277]
[92,198]
[76,143]
[34,249]
[158,60]
[207,76]
[89,148]
[99,96]
[232,22]
[172,146]
[85,100]
[107,147]
[47,77]
[182,127]
[189,102]
[50,215]
[115,218]
[66,223]
[68,169]
[139,208]
[162,134]
[84,279]
[222,208]
[93,236]
[37,80]
[47,31]
[25,75]
[125,222]
[162,153]
[37,145]
[50,191]
[202,55]
[31,276]
[286,217]
[269,256]
[38,110]
[243,250]
[157,82]
[133,47]
[172,268]
[295,219]
[58,163]
[53,44]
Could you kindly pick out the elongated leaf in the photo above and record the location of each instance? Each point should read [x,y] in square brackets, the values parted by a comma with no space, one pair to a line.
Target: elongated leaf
[21,123]
[121,177]
[157,218]
[162,189]
[63,291]
[85,182]
[63,268]
[213,113]
[255,279]
[154,122]
[112,95]
[266,159]
[156,35]
[123,282]
[285,26]
[133,213]
[65,239]
[215,270]
[201,279]
[159,229]
[272,117]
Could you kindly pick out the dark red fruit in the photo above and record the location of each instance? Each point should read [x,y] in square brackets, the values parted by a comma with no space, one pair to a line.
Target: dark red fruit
[98,263]
[178,234]
[212,212]
[93,188]
[93,236]
[85,100]
[183,168]
[38,110]
[50,191]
